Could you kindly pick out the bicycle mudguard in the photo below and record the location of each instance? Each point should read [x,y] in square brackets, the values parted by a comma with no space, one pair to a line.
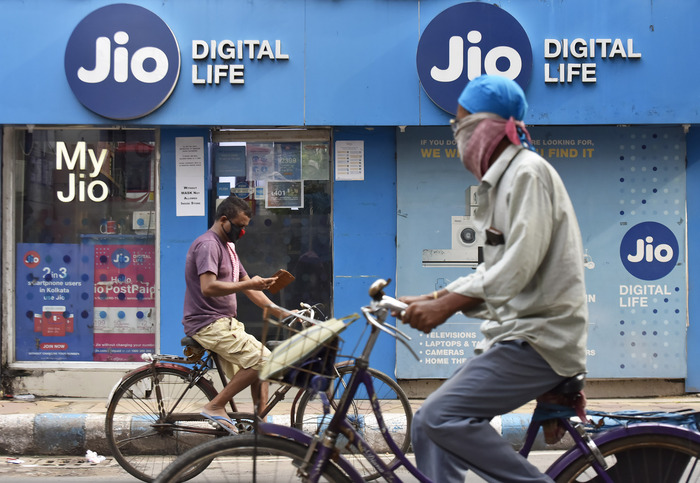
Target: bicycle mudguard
[298,435]
[619,433]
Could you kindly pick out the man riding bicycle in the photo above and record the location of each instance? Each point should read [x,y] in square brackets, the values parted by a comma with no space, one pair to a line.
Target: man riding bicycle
[213,276]
[529,289]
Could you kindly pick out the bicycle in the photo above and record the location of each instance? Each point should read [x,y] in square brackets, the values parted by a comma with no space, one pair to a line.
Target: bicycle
[631,453]
[153,412]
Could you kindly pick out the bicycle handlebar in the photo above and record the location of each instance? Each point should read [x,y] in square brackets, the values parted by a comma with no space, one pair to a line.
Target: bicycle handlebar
[375,313]
[381,304]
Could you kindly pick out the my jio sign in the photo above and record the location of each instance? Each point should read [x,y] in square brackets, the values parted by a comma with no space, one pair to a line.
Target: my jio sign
[122,61]
[649,250]
[466,41]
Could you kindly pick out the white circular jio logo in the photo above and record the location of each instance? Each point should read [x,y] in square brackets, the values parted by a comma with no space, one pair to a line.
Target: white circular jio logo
[122,61]
[649,250]
[468,40]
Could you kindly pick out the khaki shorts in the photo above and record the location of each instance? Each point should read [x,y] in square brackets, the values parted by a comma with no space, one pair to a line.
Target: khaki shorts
[235,347]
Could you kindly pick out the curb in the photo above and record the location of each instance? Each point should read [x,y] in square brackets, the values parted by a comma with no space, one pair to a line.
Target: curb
[53,434]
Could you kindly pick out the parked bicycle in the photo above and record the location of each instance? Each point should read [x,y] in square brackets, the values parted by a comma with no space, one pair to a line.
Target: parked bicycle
[153,412]
[643,452]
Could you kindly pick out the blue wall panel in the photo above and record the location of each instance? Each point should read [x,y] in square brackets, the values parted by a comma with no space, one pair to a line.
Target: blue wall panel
[176,235]
[692,174]
[364,235]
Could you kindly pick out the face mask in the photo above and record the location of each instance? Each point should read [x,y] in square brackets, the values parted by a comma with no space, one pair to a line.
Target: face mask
[235,232]
[477,135]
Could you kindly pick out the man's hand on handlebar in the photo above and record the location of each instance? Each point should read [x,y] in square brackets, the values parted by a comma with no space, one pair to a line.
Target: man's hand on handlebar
[425,312]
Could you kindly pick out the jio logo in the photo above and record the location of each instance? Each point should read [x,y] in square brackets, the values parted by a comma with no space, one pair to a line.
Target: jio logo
[31,259]
[466,41]
[121,258]
[649,251]
[122,61]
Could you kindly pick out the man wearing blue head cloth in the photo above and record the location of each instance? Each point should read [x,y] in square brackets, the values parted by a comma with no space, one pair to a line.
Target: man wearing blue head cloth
[529,290]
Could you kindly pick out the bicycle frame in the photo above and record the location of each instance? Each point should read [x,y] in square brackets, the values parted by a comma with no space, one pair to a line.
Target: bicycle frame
[339,425]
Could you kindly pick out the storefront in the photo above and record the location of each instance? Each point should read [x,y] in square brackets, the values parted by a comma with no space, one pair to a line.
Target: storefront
[124,124]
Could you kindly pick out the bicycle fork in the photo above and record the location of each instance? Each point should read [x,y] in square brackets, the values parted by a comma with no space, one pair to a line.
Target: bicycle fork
[588,447]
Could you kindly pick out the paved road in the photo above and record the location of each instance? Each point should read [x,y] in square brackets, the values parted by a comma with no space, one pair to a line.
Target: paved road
[35,469]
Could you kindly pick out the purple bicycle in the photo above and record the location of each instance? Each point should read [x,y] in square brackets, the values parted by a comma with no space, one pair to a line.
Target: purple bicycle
[640,449]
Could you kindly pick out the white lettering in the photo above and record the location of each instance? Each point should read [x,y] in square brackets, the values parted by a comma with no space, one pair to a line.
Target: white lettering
[122,65]
[278,51]
[160,70]
[475,67]
[455,62]
[101,70]
[95,190]
[662,252]
[580,48]
[200,49]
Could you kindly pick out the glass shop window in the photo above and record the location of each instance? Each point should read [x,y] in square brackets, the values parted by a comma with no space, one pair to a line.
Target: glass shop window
[84,244]
[288,185]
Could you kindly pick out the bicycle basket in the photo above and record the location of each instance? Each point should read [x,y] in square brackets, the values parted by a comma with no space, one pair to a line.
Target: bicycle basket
[305,358]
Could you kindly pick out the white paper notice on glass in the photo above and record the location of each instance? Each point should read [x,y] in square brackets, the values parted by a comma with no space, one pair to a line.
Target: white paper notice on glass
[189,176]
[349,160]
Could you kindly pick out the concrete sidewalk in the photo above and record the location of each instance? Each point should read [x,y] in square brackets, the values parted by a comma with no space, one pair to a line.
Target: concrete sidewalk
[71,426]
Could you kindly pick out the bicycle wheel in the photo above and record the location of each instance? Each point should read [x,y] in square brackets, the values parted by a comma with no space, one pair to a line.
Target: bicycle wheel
[145,431]
[395,408]
[643,458]
[247,458]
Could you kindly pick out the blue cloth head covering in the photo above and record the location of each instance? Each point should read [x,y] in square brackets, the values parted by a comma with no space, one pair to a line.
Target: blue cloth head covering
[496,94]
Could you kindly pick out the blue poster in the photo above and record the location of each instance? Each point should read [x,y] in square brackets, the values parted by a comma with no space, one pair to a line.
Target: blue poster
[627,185]
[229,161]
[54,300]
[288,158]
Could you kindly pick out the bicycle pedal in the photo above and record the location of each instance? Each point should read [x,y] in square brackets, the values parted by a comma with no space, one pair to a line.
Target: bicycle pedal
[216,425]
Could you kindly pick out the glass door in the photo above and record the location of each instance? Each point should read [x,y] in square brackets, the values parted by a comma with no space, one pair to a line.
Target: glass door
[285,177]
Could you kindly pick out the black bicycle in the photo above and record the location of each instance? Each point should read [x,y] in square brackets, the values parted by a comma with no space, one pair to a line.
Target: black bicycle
[153,412]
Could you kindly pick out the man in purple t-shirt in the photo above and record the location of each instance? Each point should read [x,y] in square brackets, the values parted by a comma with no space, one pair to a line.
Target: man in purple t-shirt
[213,276]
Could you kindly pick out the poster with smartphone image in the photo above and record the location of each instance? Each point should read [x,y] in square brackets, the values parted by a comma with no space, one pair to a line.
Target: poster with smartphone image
[54,303]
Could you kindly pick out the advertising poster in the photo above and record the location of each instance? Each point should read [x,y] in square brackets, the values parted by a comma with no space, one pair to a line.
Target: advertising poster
[54,301]
[627,185]
[124,302]
[315,159]
[285,194]
[229,161]
[288,158]
[260,161]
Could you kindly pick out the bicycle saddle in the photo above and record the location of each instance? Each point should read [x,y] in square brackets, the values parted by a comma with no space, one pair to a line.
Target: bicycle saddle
[188,341]
[572,385]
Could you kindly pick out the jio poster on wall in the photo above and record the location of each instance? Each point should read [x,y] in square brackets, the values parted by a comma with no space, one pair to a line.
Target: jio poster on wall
[124,302]
[627,185]
[54,300]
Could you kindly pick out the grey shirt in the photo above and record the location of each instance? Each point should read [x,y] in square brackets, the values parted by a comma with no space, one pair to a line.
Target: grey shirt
[533,284]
